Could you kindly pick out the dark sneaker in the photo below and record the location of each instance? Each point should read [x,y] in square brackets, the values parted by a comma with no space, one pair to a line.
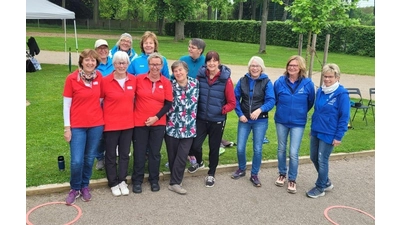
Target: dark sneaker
[86,196]
[72,195]
[315,193]
[193,168]
[238,174]
[256,182]
[329,186]
[280,181]
[210,180]
[291,187]
[100,164]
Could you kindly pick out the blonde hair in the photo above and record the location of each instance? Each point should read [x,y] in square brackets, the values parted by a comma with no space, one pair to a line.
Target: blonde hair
[331,67]
[302,65]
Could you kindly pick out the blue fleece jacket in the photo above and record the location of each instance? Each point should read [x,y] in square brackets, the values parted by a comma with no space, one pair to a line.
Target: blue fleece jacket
[106,69]
[140,66]
[131,53]
[331,115]
[193,64]
[293,101]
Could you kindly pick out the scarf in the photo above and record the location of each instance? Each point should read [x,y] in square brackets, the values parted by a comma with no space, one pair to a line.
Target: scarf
[330,89]
[87,77]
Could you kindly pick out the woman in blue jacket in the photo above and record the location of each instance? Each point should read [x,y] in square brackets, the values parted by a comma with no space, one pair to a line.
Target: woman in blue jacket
[254,99]
[328,126]
[295,95]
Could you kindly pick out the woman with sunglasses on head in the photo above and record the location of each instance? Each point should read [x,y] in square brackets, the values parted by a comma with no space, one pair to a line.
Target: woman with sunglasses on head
[328,126]
[152,101]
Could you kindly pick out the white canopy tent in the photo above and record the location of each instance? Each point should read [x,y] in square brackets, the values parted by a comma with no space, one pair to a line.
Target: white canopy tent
[43,9]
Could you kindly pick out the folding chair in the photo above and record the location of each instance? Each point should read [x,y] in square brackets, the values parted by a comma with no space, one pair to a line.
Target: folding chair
[371,102]
[358,104]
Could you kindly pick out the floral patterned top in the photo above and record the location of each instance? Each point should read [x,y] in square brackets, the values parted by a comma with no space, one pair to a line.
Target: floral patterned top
[181,118]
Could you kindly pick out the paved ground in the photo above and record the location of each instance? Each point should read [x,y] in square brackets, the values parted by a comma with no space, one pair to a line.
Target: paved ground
[229,201]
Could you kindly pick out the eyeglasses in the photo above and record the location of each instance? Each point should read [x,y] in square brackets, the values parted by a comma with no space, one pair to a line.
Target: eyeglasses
[155,65]
[126,41]
[121,63]
[329,77]
[192,47]
[254,66]
[293,65]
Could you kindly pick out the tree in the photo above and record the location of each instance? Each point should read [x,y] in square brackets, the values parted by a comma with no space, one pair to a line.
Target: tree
[159,10]
[181,10]
[310,16]
[263,33]
[240,16]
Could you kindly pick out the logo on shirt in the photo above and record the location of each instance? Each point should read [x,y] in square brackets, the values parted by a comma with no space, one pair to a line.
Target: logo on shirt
[129,87]
[161,87]
[301,90]
[95,83]
[332,101]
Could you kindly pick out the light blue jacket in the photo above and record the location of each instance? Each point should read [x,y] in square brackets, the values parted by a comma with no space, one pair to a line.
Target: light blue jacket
[106,69]
[140,66]
[193,64]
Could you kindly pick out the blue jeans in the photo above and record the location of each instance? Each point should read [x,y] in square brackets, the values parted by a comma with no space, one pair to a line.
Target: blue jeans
[83,148]
[259,129]
[296,135]
[319,155]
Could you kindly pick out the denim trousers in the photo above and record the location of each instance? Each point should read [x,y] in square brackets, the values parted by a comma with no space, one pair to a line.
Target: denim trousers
[83,148]
[101,149]
[319,155]
[296,135]
[259,129]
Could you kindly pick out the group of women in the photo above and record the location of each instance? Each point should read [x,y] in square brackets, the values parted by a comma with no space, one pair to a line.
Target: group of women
[138,102]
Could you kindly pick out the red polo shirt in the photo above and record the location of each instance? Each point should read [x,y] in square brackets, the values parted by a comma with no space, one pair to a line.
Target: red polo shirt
[85,106]
[150,98]
[118,107]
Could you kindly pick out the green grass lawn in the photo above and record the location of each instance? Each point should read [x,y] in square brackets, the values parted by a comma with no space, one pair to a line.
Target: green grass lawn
[235,53]
[45,142]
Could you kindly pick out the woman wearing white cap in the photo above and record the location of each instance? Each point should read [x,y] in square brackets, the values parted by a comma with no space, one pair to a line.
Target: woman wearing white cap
[124,44]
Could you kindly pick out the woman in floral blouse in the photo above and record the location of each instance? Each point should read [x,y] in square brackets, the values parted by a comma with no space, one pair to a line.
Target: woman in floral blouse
[181,123]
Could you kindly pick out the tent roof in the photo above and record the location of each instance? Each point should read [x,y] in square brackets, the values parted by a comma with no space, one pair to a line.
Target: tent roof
[43,9]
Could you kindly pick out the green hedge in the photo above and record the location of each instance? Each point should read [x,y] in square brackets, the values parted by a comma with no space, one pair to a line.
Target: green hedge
[354,40]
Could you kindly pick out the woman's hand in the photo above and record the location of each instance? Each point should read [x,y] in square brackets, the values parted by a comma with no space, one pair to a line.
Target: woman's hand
[254,115]
[243,119]
[67,135]
[336,142]
[151,120]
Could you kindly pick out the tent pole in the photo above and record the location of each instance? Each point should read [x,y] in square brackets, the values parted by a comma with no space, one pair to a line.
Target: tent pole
[76,38]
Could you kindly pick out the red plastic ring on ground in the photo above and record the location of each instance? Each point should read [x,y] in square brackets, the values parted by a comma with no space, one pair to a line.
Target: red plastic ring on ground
[51,203]
[346,207]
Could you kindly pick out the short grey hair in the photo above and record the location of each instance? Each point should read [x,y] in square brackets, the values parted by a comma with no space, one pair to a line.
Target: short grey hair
[331,67]
[259,61]
[121,56]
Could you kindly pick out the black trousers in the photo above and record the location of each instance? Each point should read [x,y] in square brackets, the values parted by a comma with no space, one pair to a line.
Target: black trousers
[177,150]
[214,130]
[150,138]
[117,173]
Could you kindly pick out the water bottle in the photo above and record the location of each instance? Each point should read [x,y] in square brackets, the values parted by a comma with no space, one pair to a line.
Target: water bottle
[61,163]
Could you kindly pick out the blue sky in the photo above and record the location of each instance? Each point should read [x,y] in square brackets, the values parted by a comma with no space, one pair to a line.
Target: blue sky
[366,3]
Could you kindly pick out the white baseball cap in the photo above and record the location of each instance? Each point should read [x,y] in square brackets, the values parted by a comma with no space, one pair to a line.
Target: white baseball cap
[100,42]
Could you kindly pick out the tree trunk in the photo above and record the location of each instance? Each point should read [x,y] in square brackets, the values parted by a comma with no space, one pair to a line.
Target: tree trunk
[284,16]
[179,31]
[209,12]
[240,10]
[95,11]
[263,33]
[253,9]
[160,26]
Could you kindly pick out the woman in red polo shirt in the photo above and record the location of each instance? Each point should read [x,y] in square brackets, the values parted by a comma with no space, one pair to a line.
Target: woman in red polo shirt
[118,93]
[83,122]
[152,101]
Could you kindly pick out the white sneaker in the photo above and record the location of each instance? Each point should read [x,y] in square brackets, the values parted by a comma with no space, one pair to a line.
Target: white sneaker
[124,188]
[116,191]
